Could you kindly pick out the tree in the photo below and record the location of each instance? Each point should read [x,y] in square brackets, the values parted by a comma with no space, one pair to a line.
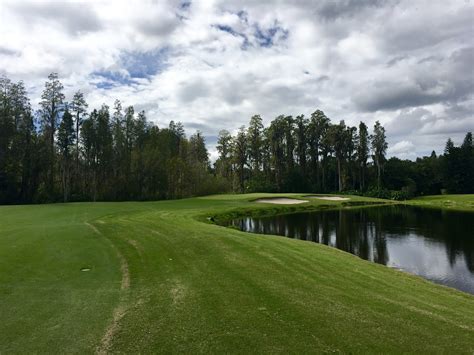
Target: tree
[338,138]
[326,149]
[7,133]
[17,144]
[128,132]
[467,151]
[224,148]
[276,139]
[458,166]
[51,105]
[25,154]
[66,140]
[449,146]
[290,144]
[266,157]
[178,130]
[301,128]
[467,143]
[349,172]
[124,156]
[362,153]
[317,129]
[120,152]
[79,109]
[140,133]
[89,152]
[379,148]
[104,151]
[198,151]
[198,163]
[240,157]
[254,138]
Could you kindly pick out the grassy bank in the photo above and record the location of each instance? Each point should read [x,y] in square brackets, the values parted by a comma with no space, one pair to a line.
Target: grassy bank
[450,202]
[162,280]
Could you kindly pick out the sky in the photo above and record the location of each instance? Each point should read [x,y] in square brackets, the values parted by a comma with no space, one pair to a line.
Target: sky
[214,64]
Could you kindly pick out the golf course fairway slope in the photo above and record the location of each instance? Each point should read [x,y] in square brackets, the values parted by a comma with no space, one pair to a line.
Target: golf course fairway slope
[158,277]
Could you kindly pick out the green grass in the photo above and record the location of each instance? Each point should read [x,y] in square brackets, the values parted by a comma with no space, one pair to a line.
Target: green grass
[161,280]
[451,202]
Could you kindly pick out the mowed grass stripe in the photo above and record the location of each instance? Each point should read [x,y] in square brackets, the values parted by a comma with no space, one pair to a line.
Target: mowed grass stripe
[198,287]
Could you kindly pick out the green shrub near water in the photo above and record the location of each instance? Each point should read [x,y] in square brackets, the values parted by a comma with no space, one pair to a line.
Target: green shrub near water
[401,195]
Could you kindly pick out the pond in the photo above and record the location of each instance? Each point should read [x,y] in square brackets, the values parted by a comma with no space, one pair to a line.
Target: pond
[435,244]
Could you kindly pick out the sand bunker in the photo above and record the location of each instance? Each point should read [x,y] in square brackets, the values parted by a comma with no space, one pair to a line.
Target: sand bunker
[330,198]
[281,201]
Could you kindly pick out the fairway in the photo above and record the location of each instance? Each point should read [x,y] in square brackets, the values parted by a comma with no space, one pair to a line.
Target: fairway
[158,277]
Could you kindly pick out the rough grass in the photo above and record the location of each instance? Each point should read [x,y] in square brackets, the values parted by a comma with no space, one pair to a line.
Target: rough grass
[161,280]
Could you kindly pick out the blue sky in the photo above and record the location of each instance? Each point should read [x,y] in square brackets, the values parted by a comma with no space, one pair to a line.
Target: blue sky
[214,64]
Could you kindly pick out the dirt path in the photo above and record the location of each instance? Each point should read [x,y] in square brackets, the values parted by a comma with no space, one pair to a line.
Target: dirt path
[122,308]
[123,262]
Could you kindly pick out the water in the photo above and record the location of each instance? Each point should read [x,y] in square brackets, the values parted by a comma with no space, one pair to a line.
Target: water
[435,244]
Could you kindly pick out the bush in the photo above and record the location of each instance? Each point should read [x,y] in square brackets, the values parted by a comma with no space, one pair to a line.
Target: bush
[405,193]
[399,195]
[259,184]
[213,185]
[378,193]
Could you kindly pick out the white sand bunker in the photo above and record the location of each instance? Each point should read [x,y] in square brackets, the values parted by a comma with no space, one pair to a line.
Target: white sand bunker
[330,198]
[281,201]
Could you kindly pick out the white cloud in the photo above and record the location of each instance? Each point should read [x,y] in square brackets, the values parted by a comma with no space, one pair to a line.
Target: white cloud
[213,64]
[402,149]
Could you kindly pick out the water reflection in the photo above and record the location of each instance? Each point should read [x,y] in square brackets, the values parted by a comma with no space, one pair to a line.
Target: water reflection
[435,244]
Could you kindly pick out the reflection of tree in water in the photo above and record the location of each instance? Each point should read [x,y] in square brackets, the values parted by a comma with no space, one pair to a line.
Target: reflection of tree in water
[457,233]
[356,232]
[380,244]
[451,229]
[469,256]
[325,229]
[342,241]
[364,232]
[352,233]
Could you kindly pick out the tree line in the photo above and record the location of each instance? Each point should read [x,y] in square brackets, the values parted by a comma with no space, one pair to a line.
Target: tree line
[67,152]
[299,154]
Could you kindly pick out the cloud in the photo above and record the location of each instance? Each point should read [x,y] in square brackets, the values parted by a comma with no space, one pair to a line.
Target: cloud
[336,9]
[76,18]
[395,95]
[402,149]
[425,25]
[431,80]
[428,130]
[168,22]
[190,92]
[8,52]
[214,64]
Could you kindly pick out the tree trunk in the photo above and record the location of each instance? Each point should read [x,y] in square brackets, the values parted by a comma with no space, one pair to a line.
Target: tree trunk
[339,177]
[378,176]
[318,174]
[77,171]
[64,184]
[51,147]
[323,170]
